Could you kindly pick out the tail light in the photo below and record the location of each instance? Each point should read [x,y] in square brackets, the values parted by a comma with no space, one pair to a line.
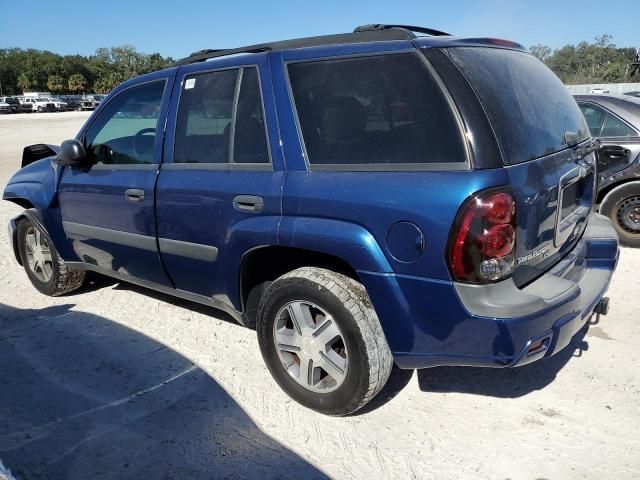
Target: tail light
[482,242]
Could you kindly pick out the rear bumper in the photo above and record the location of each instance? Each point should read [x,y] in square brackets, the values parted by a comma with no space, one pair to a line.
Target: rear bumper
[444,323]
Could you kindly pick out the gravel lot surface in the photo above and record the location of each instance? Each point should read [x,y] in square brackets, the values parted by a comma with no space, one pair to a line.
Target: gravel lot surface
[119,382]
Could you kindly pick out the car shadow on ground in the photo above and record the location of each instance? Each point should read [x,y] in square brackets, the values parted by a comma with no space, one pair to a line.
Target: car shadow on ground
[502,382]
[95,282]
[84,397]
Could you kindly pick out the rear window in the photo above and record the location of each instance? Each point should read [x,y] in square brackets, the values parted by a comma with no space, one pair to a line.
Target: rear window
[529,107]
[375,110]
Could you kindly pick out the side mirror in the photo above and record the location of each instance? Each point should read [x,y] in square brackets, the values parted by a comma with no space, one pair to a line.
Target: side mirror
[73,154]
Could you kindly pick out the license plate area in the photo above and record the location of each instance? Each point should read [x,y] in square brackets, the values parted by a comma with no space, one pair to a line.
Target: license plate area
[574,202]
[572,199]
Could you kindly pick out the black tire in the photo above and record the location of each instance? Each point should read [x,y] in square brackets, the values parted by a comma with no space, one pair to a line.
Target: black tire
[63,278]
[346,301]
[618,205]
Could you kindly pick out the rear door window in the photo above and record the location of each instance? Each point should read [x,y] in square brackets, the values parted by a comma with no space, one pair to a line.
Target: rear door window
[220,119]
[375,110]
[530,109]
[594,117]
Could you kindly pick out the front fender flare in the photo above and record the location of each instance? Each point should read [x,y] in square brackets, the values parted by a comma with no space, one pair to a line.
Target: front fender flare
[34,217]
[35,183]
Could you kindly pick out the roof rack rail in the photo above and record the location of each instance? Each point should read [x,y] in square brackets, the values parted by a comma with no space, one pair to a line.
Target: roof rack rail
[411,28]
[202,55]
[364,33]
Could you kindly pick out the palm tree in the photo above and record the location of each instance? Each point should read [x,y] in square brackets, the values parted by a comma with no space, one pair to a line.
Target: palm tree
[77,83]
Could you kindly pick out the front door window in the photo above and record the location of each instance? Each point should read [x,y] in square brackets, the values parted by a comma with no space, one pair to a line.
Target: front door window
[124,132]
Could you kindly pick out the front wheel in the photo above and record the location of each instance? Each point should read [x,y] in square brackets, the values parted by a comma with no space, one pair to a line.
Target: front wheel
[622,206]
[321,340]
[45,269]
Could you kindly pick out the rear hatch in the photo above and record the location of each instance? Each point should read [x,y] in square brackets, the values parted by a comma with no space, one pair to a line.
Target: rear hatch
[545,148]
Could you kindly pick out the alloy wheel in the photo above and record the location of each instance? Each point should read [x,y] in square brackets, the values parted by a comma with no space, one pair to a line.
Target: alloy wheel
[311,346]
[39,256]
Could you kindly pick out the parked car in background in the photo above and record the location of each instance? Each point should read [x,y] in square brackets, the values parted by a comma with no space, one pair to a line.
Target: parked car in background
[24,107]
[88,103]
[13,102]
[5,107]
[635,93]
[73,102]
[615,120]
[361,199]
[61,105]
[599,90]
[38,104]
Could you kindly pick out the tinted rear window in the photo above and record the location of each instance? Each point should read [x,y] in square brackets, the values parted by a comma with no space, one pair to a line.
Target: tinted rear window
[529,107]
[374,110]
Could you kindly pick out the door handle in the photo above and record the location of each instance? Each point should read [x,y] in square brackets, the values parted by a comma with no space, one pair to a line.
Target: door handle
[134,195]
[614,151]
[248,203]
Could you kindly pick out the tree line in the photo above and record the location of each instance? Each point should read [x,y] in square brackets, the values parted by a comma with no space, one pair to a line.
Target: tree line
[597,62]
[40,70]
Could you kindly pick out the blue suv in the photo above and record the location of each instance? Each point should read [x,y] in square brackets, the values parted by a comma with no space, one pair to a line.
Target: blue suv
[391,195]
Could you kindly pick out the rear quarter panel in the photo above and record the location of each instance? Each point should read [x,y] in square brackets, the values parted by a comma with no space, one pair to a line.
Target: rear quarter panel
[376,201]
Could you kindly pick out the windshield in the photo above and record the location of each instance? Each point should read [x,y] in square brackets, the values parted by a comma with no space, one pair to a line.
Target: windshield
[530,109]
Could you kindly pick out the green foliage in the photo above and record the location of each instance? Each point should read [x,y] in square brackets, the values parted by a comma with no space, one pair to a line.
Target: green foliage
[23,70]
[597,62]
[77,83]
[24,82]
[541,52]
[56,84]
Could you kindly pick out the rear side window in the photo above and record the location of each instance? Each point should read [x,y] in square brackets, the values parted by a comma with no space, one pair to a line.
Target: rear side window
[220,119]
[612,127]
[379,110]
[529,107]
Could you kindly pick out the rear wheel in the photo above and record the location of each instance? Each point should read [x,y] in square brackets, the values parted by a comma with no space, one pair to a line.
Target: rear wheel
[45,269]
[622,206]
[322,341]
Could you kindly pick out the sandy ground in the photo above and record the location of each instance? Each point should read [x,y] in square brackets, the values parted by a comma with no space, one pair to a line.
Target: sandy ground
[117,382]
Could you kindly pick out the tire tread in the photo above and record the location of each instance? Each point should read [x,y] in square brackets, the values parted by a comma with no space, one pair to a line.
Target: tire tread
[356,300]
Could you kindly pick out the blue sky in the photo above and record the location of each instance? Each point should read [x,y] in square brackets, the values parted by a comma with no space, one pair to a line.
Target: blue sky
[178,28]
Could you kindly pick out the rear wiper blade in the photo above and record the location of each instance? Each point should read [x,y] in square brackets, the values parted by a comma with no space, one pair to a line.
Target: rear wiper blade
[571,138]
